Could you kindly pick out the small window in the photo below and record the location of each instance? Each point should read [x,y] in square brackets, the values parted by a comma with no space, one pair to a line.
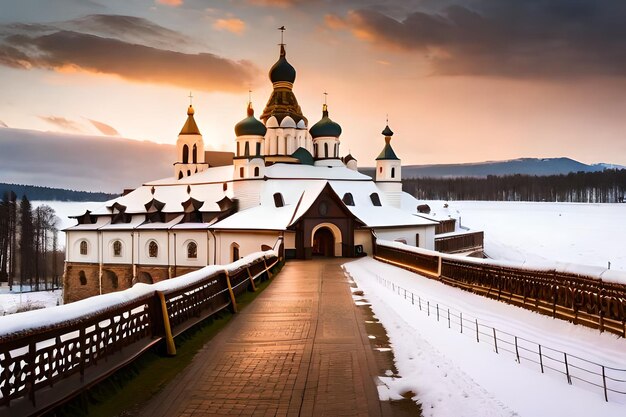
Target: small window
[153,249]
[238,150]
[347,199]
[375,199]
[185,154]
[235,252]
[241,172]
[417,240]
[258,148]
[256,171]
[278,200]
[225,186]
[247,149]
[82,278]
[189,173]
[117,248]
[180,175]
[192,250]
[83,247]
[380,170]
[326,150]
[393,172]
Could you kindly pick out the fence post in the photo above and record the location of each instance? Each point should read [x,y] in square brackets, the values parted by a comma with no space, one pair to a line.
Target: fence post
[569,378]
[540,359]
[495,339]
[606,396]
[169,339]
[461,315]
[516,350]
[32,377]
[448,318]
[477,339]
[251,280]
[230,290]
[269,274]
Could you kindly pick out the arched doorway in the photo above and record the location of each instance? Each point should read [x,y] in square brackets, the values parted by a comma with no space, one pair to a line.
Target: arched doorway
[323,242]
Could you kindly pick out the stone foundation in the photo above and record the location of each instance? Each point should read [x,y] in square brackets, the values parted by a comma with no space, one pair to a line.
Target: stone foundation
[81,280]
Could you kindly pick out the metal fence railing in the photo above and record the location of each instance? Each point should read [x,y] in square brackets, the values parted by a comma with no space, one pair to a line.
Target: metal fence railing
[610,381]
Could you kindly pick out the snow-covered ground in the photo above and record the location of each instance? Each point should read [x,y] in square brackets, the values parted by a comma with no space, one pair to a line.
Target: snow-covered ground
[11,302]
[586,234]
[454,376]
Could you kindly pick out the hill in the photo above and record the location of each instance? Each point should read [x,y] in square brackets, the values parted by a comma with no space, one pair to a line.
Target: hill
[524,166]
[34,192]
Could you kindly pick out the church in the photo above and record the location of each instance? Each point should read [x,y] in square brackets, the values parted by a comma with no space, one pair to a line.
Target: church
[285,187]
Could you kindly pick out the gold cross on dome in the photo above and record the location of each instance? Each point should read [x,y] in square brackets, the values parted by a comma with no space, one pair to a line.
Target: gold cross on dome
[190,98]
[325,97]
[282,32]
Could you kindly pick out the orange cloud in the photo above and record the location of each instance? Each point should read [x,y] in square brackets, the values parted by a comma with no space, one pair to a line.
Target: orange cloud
[173,3]
[62,123]
[233,25]
[104,128]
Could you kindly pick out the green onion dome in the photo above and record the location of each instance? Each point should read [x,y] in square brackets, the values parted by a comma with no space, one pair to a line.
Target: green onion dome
[250,125]
[282,70]
[325,127]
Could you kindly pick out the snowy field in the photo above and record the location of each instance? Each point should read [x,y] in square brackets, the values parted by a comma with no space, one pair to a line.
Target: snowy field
[454,376]
[11,302]
[586,234]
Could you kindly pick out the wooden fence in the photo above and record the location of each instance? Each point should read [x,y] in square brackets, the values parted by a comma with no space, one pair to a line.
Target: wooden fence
[580,299]
[45,365]
[463,242]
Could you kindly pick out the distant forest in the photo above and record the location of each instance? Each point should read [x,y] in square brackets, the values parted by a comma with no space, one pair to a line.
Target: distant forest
[37,193]
[608,186]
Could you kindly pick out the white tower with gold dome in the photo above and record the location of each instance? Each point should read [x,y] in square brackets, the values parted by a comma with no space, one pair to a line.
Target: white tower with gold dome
[190,149]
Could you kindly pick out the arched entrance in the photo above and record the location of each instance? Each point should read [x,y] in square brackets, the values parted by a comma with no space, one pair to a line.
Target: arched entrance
[323,242]
[326,240]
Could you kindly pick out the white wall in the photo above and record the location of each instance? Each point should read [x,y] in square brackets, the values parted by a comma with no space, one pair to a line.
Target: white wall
[143,240]
[249,242]
[364,237]
[73,246]
[426,235]
[108,237]
[180,242]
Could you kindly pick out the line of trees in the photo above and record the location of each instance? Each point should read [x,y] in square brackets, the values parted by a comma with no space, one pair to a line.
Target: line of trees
[29,254]
[608,186]
[36,192]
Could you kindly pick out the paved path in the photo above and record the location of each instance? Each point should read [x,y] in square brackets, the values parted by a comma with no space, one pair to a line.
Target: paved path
[298,350]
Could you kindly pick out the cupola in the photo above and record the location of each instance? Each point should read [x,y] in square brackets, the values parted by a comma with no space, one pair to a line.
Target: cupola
[325,127]
[250,126]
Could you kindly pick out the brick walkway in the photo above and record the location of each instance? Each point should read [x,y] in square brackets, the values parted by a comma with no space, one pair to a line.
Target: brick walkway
[298,350]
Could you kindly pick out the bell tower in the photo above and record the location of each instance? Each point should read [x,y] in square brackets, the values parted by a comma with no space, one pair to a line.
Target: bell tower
[388,171]
[189,148]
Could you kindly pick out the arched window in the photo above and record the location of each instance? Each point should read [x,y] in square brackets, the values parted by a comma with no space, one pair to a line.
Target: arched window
[375,199]
[258,148]
[256,171]
[278,200]
[380,170]
[185,154]
[83,247]
[180,175]
[315,150]
[238,150]
[326,150]
[189,173]
[347,199]
[234,250]
[241,172]
[117,248]
[336,150]
[153,249]
[393,172]
[192,250]
[225,186]
[195,154]
[247,149]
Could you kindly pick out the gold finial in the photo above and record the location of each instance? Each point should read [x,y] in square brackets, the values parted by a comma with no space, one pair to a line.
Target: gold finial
[282,33]
[190,99]
[325,97]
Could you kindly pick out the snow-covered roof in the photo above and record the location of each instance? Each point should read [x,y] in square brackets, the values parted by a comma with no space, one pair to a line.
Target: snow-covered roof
[161,226]
[210,175]
[384,215]
[135,221]
[314,172]
[100,221]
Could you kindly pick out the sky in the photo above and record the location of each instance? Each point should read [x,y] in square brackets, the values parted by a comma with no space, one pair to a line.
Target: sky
[459,80]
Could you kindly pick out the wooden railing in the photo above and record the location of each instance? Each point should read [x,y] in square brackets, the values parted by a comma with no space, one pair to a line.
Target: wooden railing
[463,242]
[48,356]
[579,298]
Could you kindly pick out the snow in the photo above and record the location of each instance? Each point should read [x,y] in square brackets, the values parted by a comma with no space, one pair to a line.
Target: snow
[10,302]
[298,171]
[575,233]
[452,375]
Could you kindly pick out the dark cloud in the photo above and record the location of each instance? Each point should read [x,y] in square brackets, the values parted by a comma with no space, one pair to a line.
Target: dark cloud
[46,46]
[63,123]
[511,38]
[81,162]
[104,128]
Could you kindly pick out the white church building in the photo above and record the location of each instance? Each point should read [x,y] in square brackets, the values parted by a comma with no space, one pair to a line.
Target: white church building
[285,187]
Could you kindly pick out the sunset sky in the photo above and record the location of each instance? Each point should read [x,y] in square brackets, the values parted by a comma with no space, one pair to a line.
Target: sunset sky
[461,80]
